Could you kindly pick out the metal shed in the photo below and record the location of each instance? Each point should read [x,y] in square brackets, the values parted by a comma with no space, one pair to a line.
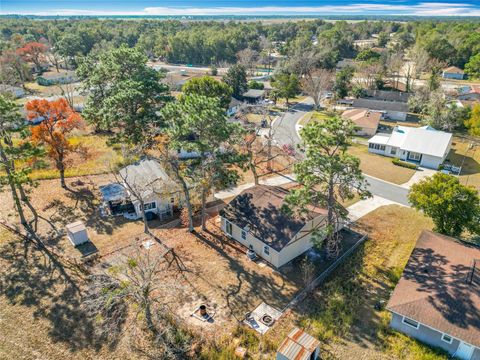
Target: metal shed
[299,345]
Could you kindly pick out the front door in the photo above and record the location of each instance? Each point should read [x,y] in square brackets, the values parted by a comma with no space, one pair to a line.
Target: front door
[464,351]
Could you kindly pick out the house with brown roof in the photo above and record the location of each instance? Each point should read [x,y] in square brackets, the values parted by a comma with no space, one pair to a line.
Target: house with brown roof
[365,120]
[453,72]
[256,219]
[437,299]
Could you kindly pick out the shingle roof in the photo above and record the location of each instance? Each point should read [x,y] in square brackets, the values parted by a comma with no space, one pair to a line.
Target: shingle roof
[147,177]
[254,93]
[440,287]
[380,105]
[260,209]
[363,118]
[385,95]
[453,70]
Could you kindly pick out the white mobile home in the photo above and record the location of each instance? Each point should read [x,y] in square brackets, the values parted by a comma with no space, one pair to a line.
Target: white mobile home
[423,146]
[256,220]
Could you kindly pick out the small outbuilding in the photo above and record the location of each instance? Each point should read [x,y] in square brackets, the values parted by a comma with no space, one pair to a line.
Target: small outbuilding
[253,96]
[77,233]
[299,345]
[453,72]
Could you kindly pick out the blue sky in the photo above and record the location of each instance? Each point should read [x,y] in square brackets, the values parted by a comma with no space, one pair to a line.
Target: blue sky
[242,7]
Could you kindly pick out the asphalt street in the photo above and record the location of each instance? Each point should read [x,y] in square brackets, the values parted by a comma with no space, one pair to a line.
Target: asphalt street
[285,133]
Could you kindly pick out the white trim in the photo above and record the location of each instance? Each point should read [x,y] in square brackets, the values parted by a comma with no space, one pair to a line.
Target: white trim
[227,223]
[448,342]
[411,325]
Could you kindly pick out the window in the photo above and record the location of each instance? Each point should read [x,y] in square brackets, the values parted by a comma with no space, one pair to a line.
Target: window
[266,250]
[410,322]
[228,228]
[376,146]
[172,200]
[414,156]
[393,151]
[447,339]
[244,235]
[149,206]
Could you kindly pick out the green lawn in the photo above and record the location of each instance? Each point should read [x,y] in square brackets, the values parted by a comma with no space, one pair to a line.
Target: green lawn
[380,166]
[315,116]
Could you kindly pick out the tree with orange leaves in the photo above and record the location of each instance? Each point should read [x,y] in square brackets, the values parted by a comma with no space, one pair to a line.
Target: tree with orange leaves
[33,52]
[58,119]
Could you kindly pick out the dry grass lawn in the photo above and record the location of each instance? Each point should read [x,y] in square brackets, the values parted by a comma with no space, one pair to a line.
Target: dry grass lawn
[341,312]
[380,166]
[94,157]
[469,159]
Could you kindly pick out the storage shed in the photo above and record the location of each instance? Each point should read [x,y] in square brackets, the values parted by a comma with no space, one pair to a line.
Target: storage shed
[299,345]
[77,233]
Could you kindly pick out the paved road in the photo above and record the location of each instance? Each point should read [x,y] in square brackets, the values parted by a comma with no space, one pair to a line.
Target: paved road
[285,133]
[284,126]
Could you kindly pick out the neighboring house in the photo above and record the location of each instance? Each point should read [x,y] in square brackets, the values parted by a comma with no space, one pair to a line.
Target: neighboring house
[54,78]
[255,219]
[424,146]
[298,345]
[471,93]
[365,43]
[453,72]
[391,110]
[366,121]
[15,91]
[233,106]
[437,299]
[387,95]
[253,96]
[149,181]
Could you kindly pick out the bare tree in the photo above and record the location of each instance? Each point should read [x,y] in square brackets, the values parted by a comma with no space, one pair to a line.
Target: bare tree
[248,58]
[132,300]
[68,92]
[317,83]
[368,74]
[261,151]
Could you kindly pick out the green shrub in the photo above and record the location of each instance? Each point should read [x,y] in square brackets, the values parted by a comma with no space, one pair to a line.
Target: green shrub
[404,164]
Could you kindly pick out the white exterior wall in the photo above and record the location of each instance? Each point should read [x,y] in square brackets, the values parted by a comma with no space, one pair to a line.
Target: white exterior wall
[258,246]
[431,162]
[300,243]
[163,204]
[363,131]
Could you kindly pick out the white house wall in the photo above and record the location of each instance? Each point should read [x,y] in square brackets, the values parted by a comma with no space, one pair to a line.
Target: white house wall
[300,243]
[258,246]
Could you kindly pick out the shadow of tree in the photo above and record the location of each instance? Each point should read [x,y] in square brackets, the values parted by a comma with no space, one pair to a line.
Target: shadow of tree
[30,279]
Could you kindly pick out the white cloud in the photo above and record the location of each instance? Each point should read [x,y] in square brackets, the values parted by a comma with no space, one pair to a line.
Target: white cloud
[420,9]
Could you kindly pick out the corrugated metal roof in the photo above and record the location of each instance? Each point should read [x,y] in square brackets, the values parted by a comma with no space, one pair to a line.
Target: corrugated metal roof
[298,345]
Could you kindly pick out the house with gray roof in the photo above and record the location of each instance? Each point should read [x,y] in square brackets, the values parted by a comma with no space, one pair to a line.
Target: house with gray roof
[144,181]
[423,146]
[391,110]
[437,299]
[255,218]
